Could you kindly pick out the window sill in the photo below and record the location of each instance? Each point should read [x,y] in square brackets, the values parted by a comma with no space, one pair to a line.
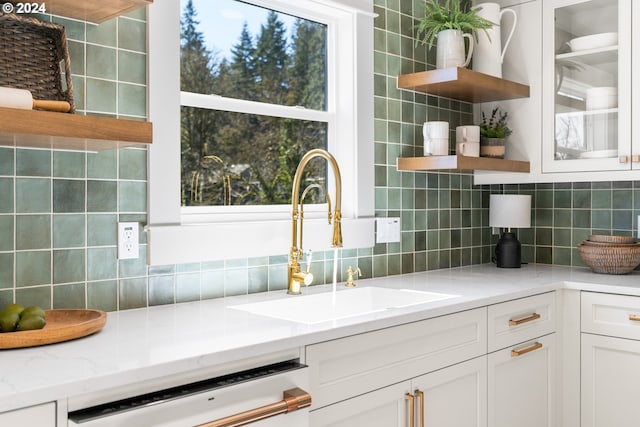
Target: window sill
[176,244]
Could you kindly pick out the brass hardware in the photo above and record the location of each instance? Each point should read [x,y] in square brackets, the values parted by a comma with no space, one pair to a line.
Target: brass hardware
[634,317]
[296,277]
[532,347]
[524,319]
[351,283]
[420,396]
[635,158]
[292,400]
[623,159]
[410,409]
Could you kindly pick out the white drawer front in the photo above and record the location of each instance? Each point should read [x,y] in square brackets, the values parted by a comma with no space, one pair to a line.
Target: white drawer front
[350,366]
[520,320]
[613,315]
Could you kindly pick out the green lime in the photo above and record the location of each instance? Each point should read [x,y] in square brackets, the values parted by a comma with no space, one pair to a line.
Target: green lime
[31,322]
[8,321]
[13,308]
[33,310]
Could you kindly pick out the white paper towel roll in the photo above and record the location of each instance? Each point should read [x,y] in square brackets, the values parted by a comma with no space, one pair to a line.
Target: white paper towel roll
[15,98]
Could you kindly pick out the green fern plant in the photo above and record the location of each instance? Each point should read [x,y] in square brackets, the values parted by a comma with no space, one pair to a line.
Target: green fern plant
[450,16]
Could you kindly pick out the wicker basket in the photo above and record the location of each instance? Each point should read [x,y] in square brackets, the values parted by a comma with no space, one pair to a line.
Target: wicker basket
[610,260]
[32,55]
[607,238]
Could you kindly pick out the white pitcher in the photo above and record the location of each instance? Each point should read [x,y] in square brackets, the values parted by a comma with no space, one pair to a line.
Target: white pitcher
[488,55]
[450,49]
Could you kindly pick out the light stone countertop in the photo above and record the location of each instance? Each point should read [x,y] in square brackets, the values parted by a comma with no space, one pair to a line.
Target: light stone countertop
[144,344]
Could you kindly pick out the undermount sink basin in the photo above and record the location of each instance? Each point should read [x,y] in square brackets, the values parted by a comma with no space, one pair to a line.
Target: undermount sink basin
[319,308]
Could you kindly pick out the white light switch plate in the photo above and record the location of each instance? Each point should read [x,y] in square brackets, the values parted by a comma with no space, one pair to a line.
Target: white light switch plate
[128,240]
[387,230]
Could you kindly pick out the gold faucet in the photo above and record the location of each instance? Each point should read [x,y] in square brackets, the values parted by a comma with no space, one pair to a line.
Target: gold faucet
[296,277]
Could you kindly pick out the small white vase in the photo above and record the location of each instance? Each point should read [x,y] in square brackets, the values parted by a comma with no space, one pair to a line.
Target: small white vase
[450,52]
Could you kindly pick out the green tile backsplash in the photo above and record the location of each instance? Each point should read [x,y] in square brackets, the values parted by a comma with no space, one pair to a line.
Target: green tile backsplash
[59,209]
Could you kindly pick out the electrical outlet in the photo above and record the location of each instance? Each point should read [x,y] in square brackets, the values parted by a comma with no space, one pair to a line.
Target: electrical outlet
[128,246]
[387,230]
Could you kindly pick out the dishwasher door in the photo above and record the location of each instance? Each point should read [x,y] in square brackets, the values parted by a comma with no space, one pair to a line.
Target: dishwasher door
[271,396]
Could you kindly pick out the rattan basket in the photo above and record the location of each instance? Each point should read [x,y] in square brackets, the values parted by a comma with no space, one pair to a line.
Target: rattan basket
[608,238]
[34,56]
[611,259]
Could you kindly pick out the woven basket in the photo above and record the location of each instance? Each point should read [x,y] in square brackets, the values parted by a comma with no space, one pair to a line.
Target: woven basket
[34,56]
[607,238]
[610,260]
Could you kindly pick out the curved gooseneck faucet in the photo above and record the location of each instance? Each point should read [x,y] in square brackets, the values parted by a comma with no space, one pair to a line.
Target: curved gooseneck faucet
[296,277]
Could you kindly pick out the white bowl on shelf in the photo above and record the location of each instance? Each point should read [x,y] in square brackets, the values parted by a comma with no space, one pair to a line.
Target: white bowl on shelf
[593,41]
[601,98]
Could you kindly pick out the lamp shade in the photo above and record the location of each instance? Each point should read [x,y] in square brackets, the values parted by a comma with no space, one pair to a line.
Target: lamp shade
[510,210]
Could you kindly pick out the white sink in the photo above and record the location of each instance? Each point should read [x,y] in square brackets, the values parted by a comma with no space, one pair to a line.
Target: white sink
[319,308]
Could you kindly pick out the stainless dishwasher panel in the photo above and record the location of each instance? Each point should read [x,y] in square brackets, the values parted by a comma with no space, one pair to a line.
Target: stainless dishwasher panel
[206,401]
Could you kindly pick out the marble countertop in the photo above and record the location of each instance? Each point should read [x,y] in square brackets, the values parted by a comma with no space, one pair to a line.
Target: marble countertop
[144,344]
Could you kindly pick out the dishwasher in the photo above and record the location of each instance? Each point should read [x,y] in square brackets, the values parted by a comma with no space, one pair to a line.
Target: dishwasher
[267,396]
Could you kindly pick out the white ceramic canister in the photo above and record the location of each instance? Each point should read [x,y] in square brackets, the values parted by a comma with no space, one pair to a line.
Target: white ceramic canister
[488,53]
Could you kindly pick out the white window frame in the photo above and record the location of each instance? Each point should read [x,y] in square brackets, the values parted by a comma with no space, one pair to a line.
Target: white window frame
[175,237]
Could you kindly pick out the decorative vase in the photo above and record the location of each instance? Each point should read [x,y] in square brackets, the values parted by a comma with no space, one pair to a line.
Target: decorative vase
[489,54]
[492,147]
[450,51]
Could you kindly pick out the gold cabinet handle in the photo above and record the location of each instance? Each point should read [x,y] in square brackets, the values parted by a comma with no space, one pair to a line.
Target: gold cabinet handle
[524,319]
[532,347]
[420,397]
[635,158]
[292,400]
[410,409]
[623,159]
[634,317]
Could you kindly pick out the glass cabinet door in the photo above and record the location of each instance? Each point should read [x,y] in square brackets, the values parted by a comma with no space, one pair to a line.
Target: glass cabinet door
[587,85]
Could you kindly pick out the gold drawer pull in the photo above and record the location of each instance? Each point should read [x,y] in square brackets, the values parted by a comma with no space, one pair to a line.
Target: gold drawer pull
[532,347]
[525,319]
[410,409]
[634,317]
[292,400]
[420,397]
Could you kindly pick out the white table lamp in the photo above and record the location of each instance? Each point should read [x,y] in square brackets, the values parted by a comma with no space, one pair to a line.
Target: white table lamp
[507,211]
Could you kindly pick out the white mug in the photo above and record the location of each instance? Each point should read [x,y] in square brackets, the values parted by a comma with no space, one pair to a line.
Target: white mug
[468,133]
[436,138]
[468,149]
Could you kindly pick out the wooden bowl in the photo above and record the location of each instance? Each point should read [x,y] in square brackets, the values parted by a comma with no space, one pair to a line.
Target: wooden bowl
[610,259]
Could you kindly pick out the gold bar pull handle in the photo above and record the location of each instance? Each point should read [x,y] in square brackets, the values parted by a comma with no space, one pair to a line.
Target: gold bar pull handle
[634,317]
[292,400]
[532,347]
[410,409]
[520,320]
[420,396]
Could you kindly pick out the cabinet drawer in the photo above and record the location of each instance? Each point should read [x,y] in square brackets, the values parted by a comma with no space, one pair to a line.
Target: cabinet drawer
[607,314]
[354,365]
[520,320]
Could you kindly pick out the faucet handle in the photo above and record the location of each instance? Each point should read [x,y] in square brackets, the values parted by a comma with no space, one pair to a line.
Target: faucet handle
[351,283]
[309,256]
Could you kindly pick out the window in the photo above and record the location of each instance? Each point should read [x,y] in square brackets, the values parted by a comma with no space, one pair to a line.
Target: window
[268,72]
[328,102]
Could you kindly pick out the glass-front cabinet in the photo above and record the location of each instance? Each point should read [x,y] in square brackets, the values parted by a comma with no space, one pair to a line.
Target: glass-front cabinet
[586,60]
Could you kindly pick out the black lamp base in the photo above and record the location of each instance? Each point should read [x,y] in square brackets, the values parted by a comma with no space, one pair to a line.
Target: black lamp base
[508,251]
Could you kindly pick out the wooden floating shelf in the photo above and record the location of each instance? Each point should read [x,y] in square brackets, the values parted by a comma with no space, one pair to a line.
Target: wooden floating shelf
[95,11]
[463,84]
[44,129]
[461,163]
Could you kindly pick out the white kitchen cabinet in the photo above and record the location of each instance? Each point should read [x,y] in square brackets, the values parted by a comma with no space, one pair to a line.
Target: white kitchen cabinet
[449,397]
[522,382]
[610,356]
[587,86]
[41,416]
[386,407]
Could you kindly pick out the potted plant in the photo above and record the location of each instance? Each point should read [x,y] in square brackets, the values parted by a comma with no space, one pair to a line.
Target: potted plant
[450,23]
[493,131]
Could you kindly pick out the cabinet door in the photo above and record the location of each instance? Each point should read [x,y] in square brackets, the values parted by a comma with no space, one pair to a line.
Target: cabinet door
[455,396]
[522,385]
[586,60]
[41,416]
[386,407]
[610,378]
